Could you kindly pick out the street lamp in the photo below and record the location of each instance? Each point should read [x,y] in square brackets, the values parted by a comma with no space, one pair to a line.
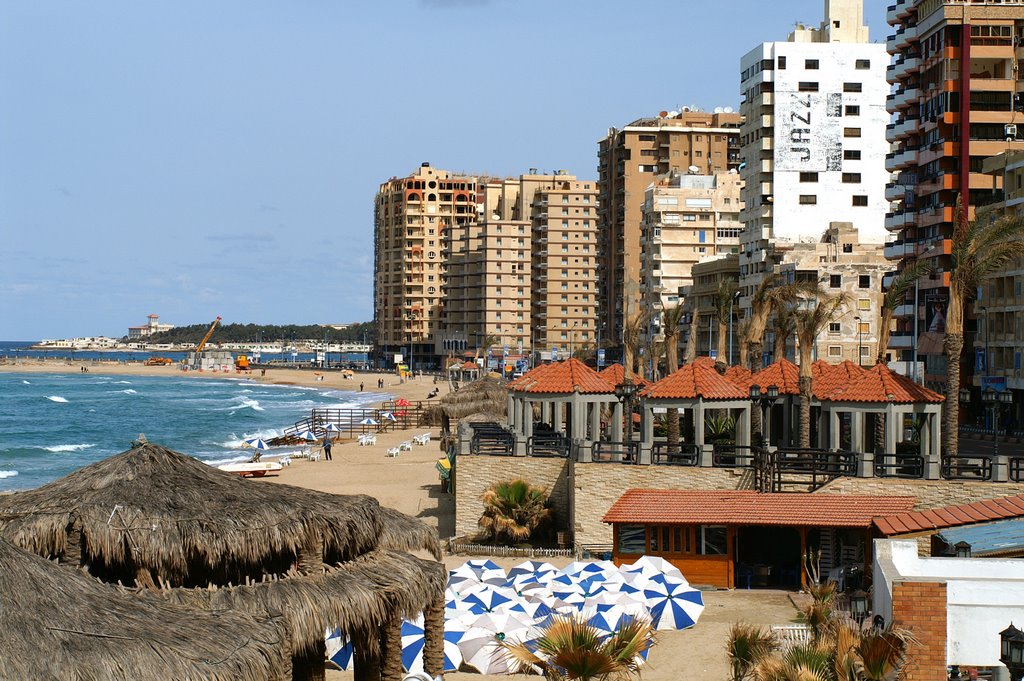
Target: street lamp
[572,336]
[962,549]
[859,605]
[1011,651]
[625,392]
[763,400]
[735,297]
[860,343]
[996,399]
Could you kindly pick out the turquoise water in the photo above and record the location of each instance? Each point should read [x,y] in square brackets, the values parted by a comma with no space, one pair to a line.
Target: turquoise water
[52,424]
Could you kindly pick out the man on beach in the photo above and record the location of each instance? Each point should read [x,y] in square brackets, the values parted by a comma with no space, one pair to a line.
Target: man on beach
[327,447]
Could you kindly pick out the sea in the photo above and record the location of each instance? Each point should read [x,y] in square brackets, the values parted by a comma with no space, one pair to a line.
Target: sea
[54,423]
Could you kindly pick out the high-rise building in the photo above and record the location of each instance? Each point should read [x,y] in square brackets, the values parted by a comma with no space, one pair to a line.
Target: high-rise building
[687,218]
[628,161]
[955,102]
[813,146]
[466,263]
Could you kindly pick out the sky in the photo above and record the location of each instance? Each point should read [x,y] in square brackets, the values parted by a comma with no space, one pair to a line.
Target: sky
[196,159]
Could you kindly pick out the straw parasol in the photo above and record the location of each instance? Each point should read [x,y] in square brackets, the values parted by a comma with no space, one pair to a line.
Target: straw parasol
[151,514]
[58,624]
[485,396]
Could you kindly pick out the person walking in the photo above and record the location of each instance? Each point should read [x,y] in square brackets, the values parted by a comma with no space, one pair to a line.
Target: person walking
[327,447]
[360,387]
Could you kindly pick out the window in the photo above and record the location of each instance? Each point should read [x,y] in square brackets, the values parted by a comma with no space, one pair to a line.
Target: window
[835,351]
[852,87]
[864,327]
[863,64]
[863,303]
[808,177]
[851,178]
[632,539]
[647,138]
[712,540]
[835,328]
[852,110]
[851,154]
[865,351]
[864,281]
[851,132]
[808,200]
[835,280]
[859,200]
[782,62]
[847,248]
[807,86]
[811,64]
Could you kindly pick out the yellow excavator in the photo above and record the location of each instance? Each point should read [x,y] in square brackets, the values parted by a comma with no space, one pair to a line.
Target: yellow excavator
[206,338]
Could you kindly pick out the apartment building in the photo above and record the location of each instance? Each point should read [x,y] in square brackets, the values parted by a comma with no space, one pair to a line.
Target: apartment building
[687,218]
[413,217]
[813,147]
[700,300]
[628,161]
[955,102]
[471,263]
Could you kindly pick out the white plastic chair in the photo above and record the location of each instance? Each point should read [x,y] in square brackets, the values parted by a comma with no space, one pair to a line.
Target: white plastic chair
[394,451]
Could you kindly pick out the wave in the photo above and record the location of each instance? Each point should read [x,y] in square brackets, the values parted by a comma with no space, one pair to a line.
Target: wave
[238,442]
[26,383]
[67,448]
[7,474]
[56,398]
[122,382]
[246,402]
[129,391]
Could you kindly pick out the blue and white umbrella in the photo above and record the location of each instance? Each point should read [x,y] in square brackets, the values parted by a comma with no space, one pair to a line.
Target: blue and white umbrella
[339,649]
[389,416]
[533,568]
[412,646]
[257,443]
[333,428]
[490,598]
[674,604]
[651,566]
[483,571]
[307,435]
[369,422]
[480,645]
[583,569]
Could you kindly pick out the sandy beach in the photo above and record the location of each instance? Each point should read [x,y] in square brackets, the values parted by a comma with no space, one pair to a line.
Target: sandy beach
[409,483]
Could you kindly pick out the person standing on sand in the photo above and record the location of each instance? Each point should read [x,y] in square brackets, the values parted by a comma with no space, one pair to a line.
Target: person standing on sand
[327,447]
[360,387]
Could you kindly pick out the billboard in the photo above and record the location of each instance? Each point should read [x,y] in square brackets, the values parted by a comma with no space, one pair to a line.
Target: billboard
[935,312]
[809,130]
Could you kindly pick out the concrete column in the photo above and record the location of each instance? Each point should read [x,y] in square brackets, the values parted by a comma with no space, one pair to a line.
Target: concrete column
[823,428]
[556,416]
[787,421]
[893,422]
[865,457]
[833,430]
[595,421]
[857,431]
[512,412]
[743,427]
[578,409]
[698,423]
[933,457]
[646,433]
[617,428]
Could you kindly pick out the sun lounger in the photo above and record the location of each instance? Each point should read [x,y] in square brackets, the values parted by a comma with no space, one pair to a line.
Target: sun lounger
[394,451]
[406,446]
[422,440]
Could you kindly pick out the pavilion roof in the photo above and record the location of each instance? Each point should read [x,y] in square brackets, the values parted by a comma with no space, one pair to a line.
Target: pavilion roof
[880,384]
[783,374]
[740,375]
[828,377]
[699,378]
[616,374]
[565,377]
[952,516]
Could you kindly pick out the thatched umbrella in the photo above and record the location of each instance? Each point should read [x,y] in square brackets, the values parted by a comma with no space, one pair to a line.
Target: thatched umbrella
[58,624]
[151,514]
[486,396]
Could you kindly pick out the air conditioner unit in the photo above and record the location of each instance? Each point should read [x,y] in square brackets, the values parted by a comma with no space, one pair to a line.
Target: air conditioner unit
[1010,131]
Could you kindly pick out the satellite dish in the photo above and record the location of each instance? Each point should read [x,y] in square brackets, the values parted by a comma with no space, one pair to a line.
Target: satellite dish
[662,114]
[694,170]
[728,109]
[719,109]
[673,113]
[685,108]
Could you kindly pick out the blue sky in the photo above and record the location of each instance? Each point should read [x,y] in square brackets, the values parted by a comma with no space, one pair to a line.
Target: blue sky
[197,158]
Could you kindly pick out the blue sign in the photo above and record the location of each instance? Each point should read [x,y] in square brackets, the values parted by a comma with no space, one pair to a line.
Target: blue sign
[979,360]
[600,357]
[554,354]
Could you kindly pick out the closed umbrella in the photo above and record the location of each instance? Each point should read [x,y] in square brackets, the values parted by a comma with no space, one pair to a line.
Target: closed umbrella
[412,646]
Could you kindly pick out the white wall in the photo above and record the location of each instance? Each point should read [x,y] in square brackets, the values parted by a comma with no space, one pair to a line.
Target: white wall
[983,595]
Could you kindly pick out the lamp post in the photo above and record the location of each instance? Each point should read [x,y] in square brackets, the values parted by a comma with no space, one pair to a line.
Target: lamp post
[995,399]
[860,342]
[600,355]
[763,400]
[1011,651]
[625,392]
[859,605]
[572,336]
[735,297]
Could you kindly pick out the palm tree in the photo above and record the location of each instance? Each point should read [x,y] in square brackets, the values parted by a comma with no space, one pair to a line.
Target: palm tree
[809,320]
[485,345]
[670,318]
[569,649]
[727,288]
[783,326]
[747,644]
[894,296]
[513,510]
[979,250]
[632,341]
[742,329]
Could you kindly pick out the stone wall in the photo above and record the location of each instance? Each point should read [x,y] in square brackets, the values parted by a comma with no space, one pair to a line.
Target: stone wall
[929,493]
[596,486]
[474,474]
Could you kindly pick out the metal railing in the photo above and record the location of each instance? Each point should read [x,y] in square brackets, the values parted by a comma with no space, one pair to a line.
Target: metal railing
[548,444]
[682,454]
[1015,471]
[605,451]
[811,467]
[733,456]
[974,467]
[491,439]
[910,466]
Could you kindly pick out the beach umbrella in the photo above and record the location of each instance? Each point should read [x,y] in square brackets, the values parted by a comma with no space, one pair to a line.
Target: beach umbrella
[339,649]
[533,568]
[369,422]
[483,571]
[307,435]
[481,644]
[457,608]
[412,646]
[673,604]
[581,569]
[461,583]
[490,599]
[257,443]
[389,416]
[333,428]
[533,611]
[568,601]
[653,565]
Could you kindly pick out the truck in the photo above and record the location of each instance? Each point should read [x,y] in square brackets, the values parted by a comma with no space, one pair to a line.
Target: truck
[242,363]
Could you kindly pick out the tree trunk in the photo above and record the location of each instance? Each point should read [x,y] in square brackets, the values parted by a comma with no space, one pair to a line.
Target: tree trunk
[880,427]
[953,344]
[391,662]
[433,639]
[754,358]
[806,383]
[366,655]
[309,665]
[779,349]
[743,355]
[671,366]
[723,343]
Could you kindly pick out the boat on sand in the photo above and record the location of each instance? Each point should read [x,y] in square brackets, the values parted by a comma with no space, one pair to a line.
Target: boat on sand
[256,469]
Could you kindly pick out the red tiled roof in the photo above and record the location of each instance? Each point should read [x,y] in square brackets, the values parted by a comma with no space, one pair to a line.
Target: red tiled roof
[470,366]
[615,373]
[952,516]
[878,383]
[828,377]
[699,378]
[740,376]
[564,377]
[747,507]
[783,374]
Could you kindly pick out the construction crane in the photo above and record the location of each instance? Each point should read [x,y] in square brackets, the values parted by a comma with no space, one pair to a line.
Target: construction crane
[206,338]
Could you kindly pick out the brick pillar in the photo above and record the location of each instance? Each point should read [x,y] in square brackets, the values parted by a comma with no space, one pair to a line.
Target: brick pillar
[921,608]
